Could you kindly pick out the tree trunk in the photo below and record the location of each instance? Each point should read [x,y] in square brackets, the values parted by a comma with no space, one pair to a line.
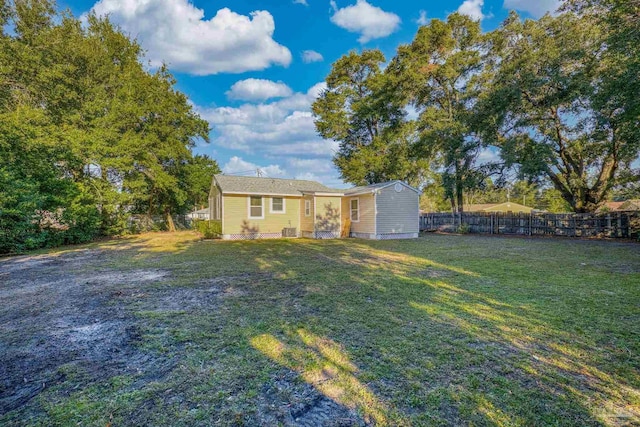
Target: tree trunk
[459,189]
[170,225]
[460,198]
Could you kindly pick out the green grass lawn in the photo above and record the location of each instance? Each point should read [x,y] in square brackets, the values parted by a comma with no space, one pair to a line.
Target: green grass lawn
[442,330]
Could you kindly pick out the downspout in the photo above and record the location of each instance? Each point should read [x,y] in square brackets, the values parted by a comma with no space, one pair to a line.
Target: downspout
[341,223]
[375,214]
[221,213]
[315,214]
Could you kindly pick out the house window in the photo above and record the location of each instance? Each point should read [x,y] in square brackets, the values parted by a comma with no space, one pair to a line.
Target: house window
[355,210]
[277,205]
[307,208]
[255,207]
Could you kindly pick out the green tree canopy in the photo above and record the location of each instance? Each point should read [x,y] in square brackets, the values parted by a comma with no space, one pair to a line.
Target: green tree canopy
[549,109]
[87,133]
[363,112]
[438,75]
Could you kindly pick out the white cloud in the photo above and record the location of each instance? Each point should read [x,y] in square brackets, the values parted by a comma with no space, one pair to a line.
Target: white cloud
[422,20]
[258,90]
[488,155]
[236,165]
[309,56]
[176,32]
[282,131]
[302,2]
[315,166]
[536,8]
[316,90]
[308,176]
[369,21]
[473,9]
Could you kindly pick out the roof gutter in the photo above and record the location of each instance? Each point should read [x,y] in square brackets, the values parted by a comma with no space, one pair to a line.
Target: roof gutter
[321,194]
[360,193]
[250,193]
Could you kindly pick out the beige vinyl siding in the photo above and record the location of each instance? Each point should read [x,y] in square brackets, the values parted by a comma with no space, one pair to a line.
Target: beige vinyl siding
[306,222]
[327,214]
[367,223]
[344,204]
[397,212]
[236,215]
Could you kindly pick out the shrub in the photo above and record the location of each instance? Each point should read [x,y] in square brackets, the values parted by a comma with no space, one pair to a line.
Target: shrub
[210,229]
[464,228]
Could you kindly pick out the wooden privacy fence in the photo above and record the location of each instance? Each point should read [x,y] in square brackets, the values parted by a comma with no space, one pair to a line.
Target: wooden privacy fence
[613,224]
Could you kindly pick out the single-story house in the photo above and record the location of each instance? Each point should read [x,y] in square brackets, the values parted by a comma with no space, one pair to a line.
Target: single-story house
[199,214]
[498,207]
[625,205]
[262,208]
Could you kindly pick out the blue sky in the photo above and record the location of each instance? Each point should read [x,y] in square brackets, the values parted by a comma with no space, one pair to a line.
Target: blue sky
[252,69]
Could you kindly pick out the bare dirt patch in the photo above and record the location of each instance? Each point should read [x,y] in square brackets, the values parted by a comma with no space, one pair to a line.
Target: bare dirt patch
[287,401]
[69,321]
[58,314]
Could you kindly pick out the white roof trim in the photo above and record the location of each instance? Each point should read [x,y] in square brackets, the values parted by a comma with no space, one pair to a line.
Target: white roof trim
[388,184]
[360,193]
[322,194]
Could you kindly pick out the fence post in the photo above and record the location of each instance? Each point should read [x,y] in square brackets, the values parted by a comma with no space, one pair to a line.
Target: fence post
[619,227]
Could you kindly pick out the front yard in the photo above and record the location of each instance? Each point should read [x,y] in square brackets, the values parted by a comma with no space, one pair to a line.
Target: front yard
[164,329]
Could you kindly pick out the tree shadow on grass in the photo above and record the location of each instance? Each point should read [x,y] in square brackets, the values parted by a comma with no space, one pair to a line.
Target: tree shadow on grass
[323,364]
[430,341]
[380,328]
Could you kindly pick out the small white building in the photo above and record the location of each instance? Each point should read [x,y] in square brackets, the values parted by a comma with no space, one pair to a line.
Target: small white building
[200,214]
[389,210]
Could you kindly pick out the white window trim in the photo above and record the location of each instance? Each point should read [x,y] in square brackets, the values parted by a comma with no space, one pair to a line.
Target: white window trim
[284,206]
[351,209]
[307,203]
[249,208]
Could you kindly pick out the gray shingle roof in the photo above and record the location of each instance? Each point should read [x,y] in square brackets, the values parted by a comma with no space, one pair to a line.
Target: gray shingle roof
[250,184]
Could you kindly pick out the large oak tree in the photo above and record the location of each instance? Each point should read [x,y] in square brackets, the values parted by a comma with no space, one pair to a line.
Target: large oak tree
[437,74]
[88,134]
[548,105]
[363,111]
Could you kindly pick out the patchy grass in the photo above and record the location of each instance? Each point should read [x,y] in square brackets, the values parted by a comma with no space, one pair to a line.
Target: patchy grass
[164,329]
